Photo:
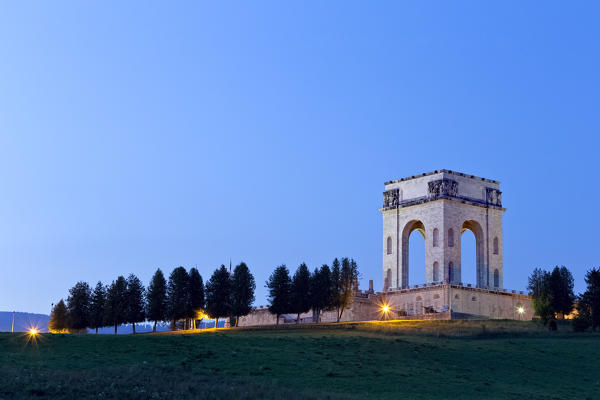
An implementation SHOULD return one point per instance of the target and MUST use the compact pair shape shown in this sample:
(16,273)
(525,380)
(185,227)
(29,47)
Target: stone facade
(441,206)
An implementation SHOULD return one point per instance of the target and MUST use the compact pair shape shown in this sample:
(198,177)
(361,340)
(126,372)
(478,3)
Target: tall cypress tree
(116,303)
(336,286)
(218,294)
(279,285)
(242,291)
(78,304)
(177,294)
(320,291)
(135,301)
(59,318)
(300,291)
(97,307)
(156,299)
(195,299)
(561,287)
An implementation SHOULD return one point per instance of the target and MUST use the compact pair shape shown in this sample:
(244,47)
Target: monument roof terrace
(447,171)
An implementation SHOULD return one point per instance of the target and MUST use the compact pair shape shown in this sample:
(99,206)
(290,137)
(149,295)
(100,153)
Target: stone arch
(410,227)
(388,280)
(436,237)
(477,230)
(436,271)
(450,237)
(419,305)
(389,245)
(496,245)
(451,272)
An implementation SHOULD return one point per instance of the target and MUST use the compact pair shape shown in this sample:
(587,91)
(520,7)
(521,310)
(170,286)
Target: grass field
(412,360)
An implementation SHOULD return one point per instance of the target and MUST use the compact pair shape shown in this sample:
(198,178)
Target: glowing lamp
(520,310)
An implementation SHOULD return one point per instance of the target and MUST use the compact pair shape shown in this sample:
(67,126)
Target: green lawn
(412,360)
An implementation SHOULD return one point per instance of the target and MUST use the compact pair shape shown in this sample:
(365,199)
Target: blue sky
(137,135)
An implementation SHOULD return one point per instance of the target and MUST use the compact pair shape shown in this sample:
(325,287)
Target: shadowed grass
(410,359)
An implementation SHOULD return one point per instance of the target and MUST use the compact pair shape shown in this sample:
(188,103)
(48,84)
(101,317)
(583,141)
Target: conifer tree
(279,285)
(116,303)
(59,318)
(541,296)
(135,301)
(177,294)
(156,295)
(78,304)
(591,296)
(195,296)
(336,286)
(300,297)
(320,291)
(242,291)
(97,307)
(218,294)
(561,288)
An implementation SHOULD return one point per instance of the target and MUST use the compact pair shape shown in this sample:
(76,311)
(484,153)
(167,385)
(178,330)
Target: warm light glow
(520,310)
(385,308)
(33,331)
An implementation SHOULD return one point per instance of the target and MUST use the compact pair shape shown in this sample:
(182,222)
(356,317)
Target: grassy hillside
(426,360)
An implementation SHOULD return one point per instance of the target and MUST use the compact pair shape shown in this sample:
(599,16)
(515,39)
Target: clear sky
(137,135)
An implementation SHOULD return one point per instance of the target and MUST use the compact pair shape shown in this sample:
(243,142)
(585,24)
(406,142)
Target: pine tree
(320,291)
(591,296)
(59,318)
(279,285)
(336,286)
(541,296)
(135,301)
(218,294)
(156,295)
(116,303)
(97,307)
(78,304)
(561,288)
(195,298)
(242,291)
(177,294)
(300,298)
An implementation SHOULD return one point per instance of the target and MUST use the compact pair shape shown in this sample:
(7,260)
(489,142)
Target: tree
(135,301)
(177,294)
(59,318)
(78,304)
(561,290)
(218,294)
(541,296)
(320,291)
(279,285)
(97,307)
(195,295)
(156,299)
(336,277)
(242,291)
(348,276)
(300,291)
(116,303)
(591,297)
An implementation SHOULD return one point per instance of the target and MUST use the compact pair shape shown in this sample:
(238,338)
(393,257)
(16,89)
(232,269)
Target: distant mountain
(23,321)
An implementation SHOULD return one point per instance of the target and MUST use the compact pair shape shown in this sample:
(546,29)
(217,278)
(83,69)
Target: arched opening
(466,262)
(419,305)
(436,237)
(436,272)
(451,272)
(496,278)
(496,245)
(416,249)
(389,245)
(450,237)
